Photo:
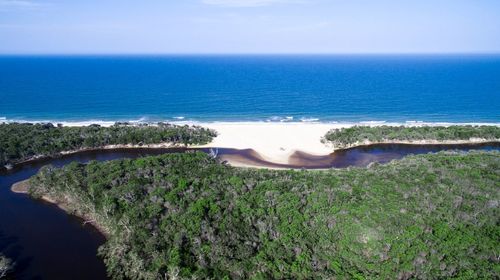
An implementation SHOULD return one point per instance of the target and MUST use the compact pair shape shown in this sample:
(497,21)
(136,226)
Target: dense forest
(345,137)
(21,141)
(186,215)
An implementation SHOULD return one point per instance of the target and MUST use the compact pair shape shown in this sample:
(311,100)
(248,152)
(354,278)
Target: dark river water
(47,243)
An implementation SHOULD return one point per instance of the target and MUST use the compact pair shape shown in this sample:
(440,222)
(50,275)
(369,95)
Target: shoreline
(276,143)
(471,141)
(256,160)
(312,161)
(279,121)
(249,158)
(22,187)
(107,147)
(279,142)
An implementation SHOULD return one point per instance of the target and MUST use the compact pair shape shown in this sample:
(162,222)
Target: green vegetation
(186,215)
(346,137)
(5,266)
(21,141)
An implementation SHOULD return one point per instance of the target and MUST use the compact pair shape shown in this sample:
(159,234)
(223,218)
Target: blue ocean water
(392,88)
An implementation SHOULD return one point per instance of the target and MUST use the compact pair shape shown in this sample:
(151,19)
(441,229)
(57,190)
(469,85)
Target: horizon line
(255,54)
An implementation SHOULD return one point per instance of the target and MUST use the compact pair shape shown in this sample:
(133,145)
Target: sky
(249,26)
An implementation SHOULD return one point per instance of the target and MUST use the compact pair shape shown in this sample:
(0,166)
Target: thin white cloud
(304,28)
(20,4)
(247,3)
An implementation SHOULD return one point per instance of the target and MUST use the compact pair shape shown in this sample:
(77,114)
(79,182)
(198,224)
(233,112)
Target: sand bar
(273,141)
(276,142)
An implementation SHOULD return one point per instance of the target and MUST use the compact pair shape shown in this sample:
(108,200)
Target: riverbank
(25,141)
(107,147)
(270,142)
(284,143)
(23,186)
(471,141)
(206,201)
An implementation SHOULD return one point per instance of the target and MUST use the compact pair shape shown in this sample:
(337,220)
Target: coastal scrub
(362,135)
(24,141)
(189,216)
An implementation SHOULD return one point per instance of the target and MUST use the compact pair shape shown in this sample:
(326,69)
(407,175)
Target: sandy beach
(274,142)
(280,142)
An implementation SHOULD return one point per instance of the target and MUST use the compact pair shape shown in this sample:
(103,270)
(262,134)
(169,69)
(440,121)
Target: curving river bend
(47,243)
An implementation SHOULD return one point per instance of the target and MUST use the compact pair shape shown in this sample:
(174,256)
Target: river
(47,243)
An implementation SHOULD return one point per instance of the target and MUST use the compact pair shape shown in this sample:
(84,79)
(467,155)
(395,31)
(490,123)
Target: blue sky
(249,26)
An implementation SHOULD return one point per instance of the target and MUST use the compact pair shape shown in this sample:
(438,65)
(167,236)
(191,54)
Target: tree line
(188,216)
(21,141)
(345,137)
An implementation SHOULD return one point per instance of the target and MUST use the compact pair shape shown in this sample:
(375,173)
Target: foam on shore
(185,120)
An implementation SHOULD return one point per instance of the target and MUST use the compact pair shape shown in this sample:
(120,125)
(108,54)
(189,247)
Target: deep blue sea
(392,88)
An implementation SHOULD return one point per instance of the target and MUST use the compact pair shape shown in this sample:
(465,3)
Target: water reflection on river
(46,243)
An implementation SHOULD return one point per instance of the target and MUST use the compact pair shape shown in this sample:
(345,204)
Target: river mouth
(47,243)
(360,156)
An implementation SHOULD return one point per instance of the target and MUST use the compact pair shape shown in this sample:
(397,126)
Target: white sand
(273,141)
(276,141)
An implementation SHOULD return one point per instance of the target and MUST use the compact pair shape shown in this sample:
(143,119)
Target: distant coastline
(181,120)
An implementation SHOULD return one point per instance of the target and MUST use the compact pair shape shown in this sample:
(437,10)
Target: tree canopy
(21,141)
(345,137)
(187,215)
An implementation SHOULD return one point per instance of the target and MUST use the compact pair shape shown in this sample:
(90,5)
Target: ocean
(264,88)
